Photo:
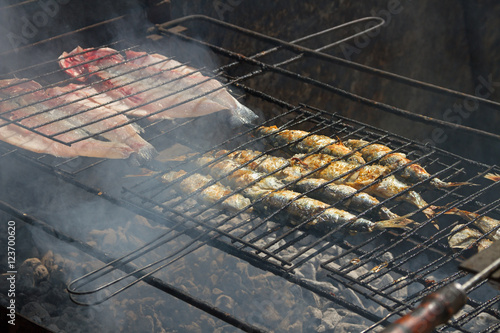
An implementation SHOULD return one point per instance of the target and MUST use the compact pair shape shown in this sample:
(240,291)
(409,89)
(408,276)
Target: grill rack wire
(142,198)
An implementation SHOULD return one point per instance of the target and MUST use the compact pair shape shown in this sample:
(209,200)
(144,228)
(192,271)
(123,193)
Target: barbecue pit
(339,280)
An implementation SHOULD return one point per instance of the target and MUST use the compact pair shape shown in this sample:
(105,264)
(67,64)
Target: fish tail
(492,176)
(401,222)
(455,211)
(147,153)
(241,115)
(143,156)
(438,183)
(430,212)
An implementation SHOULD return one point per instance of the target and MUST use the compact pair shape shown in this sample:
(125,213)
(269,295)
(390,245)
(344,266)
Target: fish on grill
(373,176)
(99,119)
(206,190)
(411,172)
(484,223)
(25,110)
(317,188)
(268,193)
(355,151)
(298,141)
(492,176)
(153,85)
(235,176)
(463,237)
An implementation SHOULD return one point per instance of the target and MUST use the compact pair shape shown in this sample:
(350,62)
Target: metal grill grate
(362,263)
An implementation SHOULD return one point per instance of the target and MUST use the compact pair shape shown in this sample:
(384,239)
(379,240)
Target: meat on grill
(484,223)
(373,176)
(26,105)
(463,237)
(102,119)
(298,141)
(153,85)
(411,172)
(304,142)
(317,188)
(206,190)
(268,193)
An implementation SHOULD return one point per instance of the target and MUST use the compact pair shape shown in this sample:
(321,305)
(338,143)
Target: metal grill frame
(137,202)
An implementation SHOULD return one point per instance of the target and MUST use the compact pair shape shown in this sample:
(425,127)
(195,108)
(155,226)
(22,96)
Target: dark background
(453,44)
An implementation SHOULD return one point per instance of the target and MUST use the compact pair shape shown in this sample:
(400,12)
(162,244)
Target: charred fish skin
(341,173)
(280,167)
(373,176)
(17,94)
(324,217)
(463,237)
(152,84)
(298,141)
(484,223)
(240,114)
(210,194)
(267,192)
(74,102)
(315,187)
(235,176)
(411,172)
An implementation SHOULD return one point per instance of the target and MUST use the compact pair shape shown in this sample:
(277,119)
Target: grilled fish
(210,194)
(81,110)
(153,85)
(412,172)
(281,168)
(355,151)
(268,193)
(22,103)
(325,218)
(341,172)
(492,176)
(303,142)
(484,223)
(463,239)
(235,176)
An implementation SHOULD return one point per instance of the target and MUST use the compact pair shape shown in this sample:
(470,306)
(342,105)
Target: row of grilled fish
(307,184)
(359,152)
(267,193)
(138,85)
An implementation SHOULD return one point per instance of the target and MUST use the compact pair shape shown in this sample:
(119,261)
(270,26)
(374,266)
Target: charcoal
(194,328)
(35,267)
(349,328)
(53,328)
(31,273)
(311,319)
(308,270)
(217,291)
(329,319)
(225,303)
(33,309)
(290,324)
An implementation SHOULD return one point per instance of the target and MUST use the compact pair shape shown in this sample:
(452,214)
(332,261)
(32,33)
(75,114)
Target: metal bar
(155,282)
(296,48)
(322,120)
(99,24)
(354,97)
